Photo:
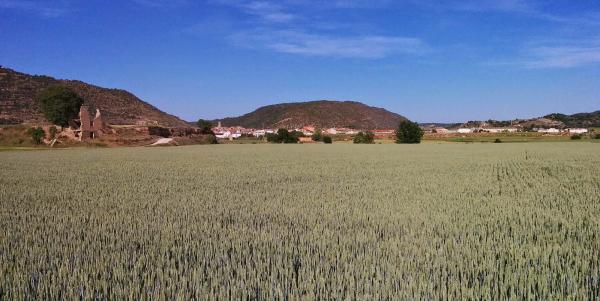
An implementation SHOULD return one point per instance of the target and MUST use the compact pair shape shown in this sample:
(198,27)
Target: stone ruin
(90,128)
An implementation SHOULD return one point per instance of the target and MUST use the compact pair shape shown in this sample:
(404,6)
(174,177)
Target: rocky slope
(18,93)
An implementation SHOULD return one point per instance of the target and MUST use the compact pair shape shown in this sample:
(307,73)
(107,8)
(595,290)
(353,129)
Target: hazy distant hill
(322,113)
(18,105)
(577,120)
(555,120)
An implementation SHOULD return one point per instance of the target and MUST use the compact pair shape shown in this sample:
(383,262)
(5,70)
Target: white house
(549,131)
(259,133)
(332,131)
(228,135)
(465,131)
(577,131)
(441,130)
(501,130)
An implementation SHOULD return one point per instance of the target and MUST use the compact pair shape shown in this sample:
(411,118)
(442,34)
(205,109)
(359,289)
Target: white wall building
(577,131)
(549,131)
(465,131)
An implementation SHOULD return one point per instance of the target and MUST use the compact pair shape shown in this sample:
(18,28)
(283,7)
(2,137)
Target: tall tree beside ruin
(59,104)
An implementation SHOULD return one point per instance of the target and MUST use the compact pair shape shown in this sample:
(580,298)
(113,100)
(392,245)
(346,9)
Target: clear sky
(443,61)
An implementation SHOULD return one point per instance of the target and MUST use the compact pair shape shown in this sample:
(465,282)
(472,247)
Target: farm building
(577,131)
(549,131)
(501,130)
(465,131)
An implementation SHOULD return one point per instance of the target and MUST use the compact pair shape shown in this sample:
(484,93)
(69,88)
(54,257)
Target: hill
(577,120)
(322,113)
(18,92)
(555,120)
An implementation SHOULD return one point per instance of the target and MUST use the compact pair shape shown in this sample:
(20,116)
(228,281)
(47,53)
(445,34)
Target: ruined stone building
(90,128)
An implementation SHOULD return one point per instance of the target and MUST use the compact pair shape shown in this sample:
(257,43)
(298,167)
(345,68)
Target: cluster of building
(441,130)
(238,131)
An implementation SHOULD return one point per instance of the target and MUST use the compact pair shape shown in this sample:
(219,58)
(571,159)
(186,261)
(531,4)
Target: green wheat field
(309,222)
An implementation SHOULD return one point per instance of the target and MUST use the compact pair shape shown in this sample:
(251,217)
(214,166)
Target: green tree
(205,126)
(272,138)
(364,138)
(37,135)
(318,135)
(284,136)
(409,132)
(59,104)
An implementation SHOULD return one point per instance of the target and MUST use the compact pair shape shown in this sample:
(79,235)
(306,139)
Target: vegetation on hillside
(580,120)
(322,114)
(18,103)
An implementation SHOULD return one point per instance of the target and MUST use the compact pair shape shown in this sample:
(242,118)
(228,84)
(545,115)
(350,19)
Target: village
(236,132)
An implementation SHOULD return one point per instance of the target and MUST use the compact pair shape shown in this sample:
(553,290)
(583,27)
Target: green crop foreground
(314,222)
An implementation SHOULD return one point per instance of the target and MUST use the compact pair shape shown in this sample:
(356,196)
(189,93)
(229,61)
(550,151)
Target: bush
(576,137)
(497,140)
(59,104)
(364,138)
(37,135)
(284,136)
(211,139)
(159,131)
(597,136)
(409,132)
(272,138)
(327,140)
(317,136)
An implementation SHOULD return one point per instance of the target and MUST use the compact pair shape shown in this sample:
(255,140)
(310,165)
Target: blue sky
(443,61)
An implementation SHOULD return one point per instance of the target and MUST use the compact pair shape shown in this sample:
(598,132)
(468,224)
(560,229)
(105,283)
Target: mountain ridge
(318,113)
(18,92)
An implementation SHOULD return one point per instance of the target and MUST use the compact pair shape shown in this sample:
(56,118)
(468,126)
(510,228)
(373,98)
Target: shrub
(59,104)
(409,132)
(284,136)
(159,131)
(272,138)
(364,138)
(597,136)
(497,140)
(576,137)
(327,140)
(317,136)
(37,135)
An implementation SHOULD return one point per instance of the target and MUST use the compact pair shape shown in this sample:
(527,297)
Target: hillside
(555,120)
(322,113)
(18,92)
(577,120)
